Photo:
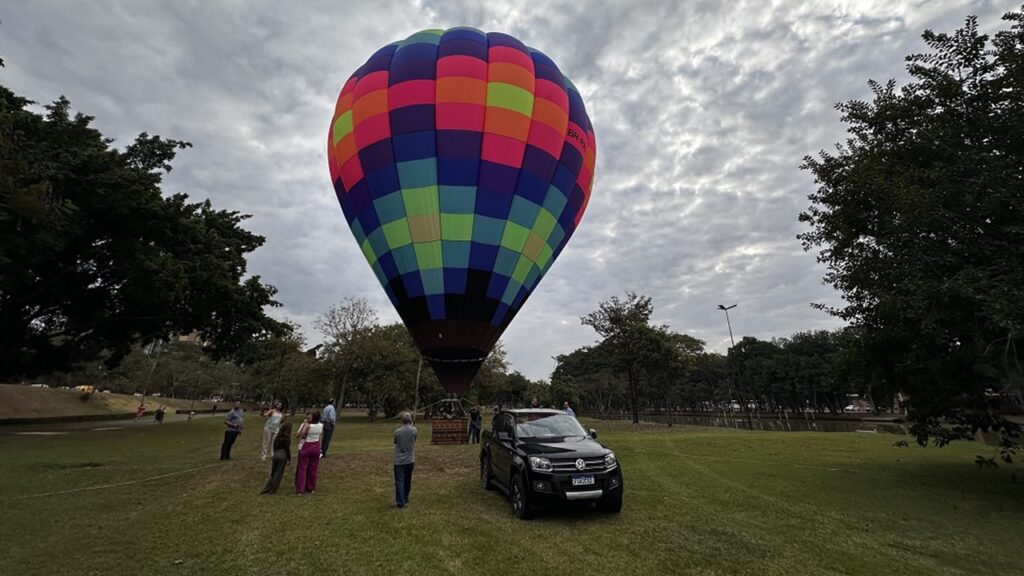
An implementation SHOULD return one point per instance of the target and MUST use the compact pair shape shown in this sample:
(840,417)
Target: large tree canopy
(621,324)
(93,257)
(919,218)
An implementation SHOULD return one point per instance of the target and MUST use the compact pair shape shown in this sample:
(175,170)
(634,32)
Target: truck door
(502,446)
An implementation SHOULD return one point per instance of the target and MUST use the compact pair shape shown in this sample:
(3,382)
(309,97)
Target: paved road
(58,428)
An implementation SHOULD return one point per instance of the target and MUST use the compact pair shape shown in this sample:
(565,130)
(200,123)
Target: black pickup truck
(541,457)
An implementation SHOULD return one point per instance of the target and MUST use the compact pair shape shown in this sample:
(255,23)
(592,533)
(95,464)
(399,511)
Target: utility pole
(746,407)
(726,310)
(416,402)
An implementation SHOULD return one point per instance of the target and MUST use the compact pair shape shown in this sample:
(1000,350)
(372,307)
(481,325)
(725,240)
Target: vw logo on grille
(580,464)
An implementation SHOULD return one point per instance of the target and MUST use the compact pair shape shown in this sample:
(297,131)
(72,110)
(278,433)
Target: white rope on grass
(116,484)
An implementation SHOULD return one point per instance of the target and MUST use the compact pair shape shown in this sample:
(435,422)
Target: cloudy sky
(702,112)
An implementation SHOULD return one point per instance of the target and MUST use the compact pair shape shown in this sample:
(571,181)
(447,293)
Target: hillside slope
(18,401)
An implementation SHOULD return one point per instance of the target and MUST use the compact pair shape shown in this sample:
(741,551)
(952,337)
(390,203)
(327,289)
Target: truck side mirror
(593,434)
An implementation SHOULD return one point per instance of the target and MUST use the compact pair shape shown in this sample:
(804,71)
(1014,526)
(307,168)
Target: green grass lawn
(698,501)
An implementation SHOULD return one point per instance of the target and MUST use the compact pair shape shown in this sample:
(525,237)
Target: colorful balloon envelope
(463,162)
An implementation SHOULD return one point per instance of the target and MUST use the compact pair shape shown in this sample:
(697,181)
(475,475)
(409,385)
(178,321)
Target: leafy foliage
(919,218)
(93,258)
(621,323)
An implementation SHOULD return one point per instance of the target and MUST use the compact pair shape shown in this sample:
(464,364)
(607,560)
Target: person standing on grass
(270,428)
(568,409)
(160,415)
(328,419)
(405,459)
(282,456)
(302,430)
(309,455)
(474,425)
(140,411)
(232,430)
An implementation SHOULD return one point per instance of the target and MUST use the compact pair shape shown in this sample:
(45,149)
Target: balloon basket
(446,431)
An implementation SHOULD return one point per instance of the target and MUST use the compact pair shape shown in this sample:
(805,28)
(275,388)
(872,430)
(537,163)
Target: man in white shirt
(568,409)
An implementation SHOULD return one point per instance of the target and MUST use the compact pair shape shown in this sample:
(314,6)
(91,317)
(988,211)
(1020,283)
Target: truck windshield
(548,426)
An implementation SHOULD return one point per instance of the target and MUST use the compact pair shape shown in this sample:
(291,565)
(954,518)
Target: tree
(588,372)
(384,369)
(341,325)
(620,324)
(492,379)
(919,218)
(93,258)
(666,359)
(708,386)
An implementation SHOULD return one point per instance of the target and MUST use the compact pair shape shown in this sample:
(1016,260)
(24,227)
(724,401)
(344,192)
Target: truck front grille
(568,465)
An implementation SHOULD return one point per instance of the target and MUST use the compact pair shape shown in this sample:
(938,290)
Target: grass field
(18,401)
(698,501)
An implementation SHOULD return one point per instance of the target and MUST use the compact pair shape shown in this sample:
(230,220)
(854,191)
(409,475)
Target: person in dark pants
(309,455)
(474,425)
(405,459)
(232,430)
(327,417)
(282,456)
(160,415)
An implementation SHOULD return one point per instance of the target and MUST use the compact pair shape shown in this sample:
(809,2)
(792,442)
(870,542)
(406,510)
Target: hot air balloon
(463,162)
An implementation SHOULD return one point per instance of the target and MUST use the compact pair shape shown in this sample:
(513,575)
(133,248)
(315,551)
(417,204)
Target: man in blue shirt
(568,409)
(232,429)
(328,418)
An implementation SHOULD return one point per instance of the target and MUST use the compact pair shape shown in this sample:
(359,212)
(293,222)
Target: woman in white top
(309,454)
(274,416)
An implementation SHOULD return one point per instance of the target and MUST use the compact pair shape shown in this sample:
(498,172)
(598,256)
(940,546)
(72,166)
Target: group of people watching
(314,438)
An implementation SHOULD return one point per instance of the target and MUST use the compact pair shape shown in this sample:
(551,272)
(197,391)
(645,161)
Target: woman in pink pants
(309,454)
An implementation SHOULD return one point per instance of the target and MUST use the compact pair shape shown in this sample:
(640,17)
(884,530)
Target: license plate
(582,480)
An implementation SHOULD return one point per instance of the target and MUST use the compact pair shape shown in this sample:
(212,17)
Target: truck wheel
(611,503)
(520,499)
(486,479)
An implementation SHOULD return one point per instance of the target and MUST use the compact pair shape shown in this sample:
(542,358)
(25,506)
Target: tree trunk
(339,391)
(634,397)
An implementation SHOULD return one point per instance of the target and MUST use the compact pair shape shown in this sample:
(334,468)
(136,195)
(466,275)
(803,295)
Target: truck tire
(520,499)
(611,503)
(486,479)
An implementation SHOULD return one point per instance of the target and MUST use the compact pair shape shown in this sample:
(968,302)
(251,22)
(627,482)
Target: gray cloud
(703,111)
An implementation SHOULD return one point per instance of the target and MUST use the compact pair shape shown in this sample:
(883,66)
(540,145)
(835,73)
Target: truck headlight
(610,461)
(540,464)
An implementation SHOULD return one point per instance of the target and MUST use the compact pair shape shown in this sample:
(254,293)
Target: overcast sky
(702,111)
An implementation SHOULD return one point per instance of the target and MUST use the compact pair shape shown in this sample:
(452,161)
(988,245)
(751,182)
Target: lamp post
(728,323)
(746,408)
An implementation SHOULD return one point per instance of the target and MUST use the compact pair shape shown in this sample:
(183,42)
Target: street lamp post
(746,408)
(728,323)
